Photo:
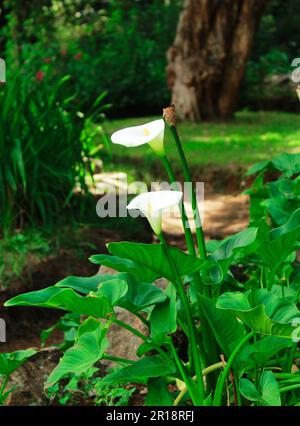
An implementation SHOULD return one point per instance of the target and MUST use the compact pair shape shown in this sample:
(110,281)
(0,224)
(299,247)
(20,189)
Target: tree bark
(207,61)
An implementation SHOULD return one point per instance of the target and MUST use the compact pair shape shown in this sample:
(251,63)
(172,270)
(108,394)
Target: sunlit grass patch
(249,137)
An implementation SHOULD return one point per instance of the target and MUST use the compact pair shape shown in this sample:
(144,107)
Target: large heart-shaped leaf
(283,200)
(249,390)
(64,298)
(269,395)
(9,362)
(262,311)
(236,246)
(125,264)
(140,371)
(114,290)
(139,294)
(270,389)
(280,242)
(262,350)
(289,164)
(84,284)
(153,257)
(88,349)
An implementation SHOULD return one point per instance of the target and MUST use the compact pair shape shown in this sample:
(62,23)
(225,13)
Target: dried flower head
(169,115)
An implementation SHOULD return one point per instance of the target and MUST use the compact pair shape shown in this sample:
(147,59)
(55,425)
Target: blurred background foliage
(120,46)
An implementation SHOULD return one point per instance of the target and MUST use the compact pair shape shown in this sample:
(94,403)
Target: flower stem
(190,323)
(288,388)
(141,336)
(184,377)
(185,221)
(141,318)
(129,328)
(188,178)
(206,371)
(118,359)
(220,385)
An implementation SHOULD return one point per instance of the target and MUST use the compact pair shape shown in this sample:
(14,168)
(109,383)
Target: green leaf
(152,257)
(17,156)
(262,350)
(139,295)
(158,394)
(88,349)
(9,362)
(270,394)
(258,194)
(258,167)
(280,242)
(262,311)
(163,318)
(287,163)
(289,293)
(64,298)
(84,284)
(270,389)
(208,402)
(145,347)
(124,264)
(249,391)
(233,247)
(283,199)
(227,330)
(113,290)
(140,371)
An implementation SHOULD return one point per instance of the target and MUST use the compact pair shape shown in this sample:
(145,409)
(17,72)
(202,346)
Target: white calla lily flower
(152,204)
(151,133)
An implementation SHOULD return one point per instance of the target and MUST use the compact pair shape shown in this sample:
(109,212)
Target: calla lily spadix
(152,204)
(151,133)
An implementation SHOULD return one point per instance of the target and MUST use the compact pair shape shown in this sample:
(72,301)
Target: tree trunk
(207,61)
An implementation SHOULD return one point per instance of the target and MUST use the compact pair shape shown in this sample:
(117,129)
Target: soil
(224,214)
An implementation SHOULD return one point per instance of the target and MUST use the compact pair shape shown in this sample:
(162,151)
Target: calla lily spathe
(152,204)
(151,133)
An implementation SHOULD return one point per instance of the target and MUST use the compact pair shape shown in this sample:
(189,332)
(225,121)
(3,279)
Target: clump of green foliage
(237,306)
(45,151)
(16,251)
(10,362)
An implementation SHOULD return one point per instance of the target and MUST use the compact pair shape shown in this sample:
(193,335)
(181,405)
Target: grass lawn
(248,138)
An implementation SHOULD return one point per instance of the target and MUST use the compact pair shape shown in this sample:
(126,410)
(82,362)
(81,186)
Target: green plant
(45,152)
(113,395)
(242,328)
(10,362)
(279,198)
(16,251)
(89,386)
